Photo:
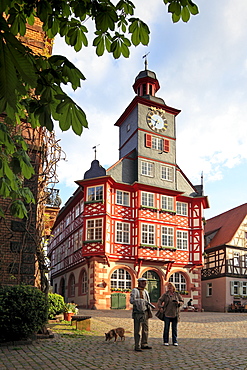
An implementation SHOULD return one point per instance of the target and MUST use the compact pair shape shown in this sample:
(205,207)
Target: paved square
(206,341)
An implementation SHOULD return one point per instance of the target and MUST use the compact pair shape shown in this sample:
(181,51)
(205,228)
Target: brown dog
(114,333)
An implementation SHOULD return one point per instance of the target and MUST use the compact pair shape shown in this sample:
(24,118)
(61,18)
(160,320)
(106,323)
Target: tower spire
(95,150)
(146,61)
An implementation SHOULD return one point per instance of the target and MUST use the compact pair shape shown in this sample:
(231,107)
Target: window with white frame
(77,210)
(122,232)
(84,282)
(94,229)
(167,203)
(182,240)
(148,236)
(167,238)
(157,143)
(95,193)
(147,169)
(182,209)
(122,198)
(167,173)
(67,220)
(76,240)
(209,291)
(236,259)
(120,279)
(234,287)
(147,199)
(244,288)
(179,281)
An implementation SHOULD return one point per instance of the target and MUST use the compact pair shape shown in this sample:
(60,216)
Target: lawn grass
(65,329)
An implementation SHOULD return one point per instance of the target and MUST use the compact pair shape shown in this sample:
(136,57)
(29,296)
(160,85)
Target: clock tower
(147,139)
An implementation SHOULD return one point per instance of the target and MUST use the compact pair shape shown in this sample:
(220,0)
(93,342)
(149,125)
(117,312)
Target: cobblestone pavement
(206,341)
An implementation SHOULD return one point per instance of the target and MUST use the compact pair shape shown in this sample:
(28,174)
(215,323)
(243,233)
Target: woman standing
(170,302)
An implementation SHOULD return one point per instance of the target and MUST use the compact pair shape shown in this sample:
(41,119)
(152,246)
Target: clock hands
(155,121)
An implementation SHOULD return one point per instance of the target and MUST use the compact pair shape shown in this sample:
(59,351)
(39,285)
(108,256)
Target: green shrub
(23,311)
(55,305)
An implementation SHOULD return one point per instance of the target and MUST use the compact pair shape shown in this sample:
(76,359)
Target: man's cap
(142,279)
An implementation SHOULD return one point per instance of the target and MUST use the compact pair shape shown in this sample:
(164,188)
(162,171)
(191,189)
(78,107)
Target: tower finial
(202,183)
(95,150)
(146,61)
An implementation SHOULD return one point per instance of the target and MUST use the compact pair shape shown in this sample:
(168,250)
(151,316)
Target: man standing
(139,297)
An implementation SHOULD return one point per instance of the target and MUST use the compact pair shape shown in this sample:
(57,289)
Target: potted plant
(70,309)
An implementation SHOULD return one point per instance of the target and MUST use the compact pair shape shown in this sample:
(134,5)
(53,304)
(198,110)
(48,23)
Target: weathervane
(95,150)
(146,60)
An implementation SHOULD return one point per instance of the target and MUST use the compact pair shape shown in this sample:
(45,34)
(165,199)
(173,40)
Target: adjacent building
(22,257)
(224,275)
(140,217)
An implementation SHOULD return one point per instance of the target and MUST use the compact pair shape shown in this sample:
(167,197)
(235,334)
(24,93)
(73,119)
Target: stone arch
(83,282)
(180,283)
(153,283)
(125,268)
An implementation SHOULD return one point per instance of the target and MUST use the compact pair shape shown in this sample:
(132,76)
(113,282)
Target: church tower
(147,139)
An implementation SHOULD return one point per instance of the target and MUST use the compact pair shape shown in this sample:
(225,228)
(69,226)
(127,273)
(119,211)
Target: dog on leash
(114,333)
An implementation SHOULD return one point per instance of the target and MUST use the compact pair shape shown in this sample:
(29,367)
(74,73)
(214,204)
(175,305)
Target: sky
(202,70)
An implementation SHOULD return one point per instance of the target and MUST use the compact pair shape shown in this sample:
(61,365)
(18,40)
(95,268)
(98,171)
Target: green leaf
(140,32)
(144,34)
(177,8)
(27,195)
(175,18)
(185,14)
(125,51)
(172,7)
(8,77)
(193,8)
(18,209)
(102,42)
(4,188)
(24,66)
(100,48)
(106,20)
(7,171)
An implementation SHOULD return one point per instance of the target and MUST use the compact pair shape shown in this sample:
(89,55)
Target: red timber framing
(135,215)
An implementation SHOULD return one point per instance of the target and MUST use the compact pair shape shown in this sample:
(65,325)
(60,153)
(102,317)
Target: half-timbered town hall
(140,217)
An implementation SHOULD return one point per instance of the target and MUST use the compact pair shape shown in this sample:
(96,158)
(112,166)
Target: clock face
(156,120)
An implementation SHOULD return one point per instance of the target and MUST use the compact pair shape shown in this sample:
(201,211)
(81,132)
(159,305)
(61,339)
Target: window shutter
(232,287)
(240,287)
(148,141)
(166,146)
